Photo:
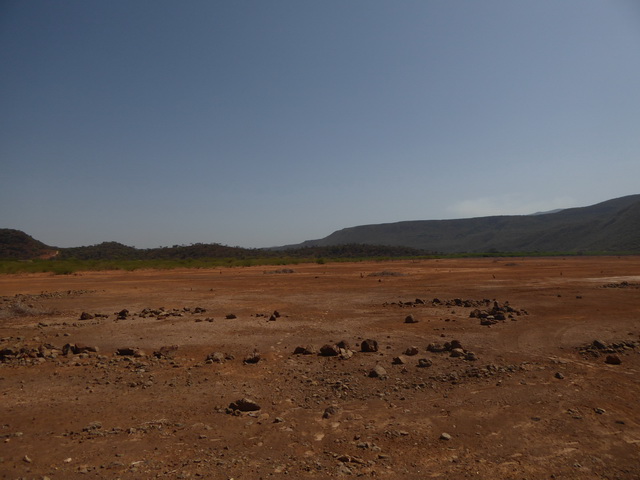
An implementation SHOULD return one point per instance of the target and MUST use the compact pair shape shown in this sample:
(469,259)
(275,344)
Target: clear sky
(261,123)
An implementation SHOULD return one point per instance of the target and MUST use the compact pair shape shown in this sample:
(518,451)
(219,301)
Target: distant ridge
(611,226)
(15,244)
(608,227)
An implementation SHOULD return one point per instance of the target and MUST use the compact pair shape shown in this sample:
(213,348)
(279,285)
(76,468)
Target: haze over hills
(610,226)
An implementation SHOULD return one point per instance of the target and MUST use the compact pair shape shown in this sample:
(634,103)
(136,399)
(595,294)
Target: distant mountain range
(611,226)
(17,245)
(608,227)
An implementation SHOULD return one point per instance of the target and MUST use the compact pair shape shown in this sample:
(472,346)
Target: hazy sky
(261,123)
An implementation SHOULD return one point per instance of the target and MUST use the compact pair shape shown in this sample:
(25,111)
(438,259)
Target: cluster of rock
(436,302)
(488,311)
(454,349)
(485,371)
(623,284)
(34,354)
(44,295)
(598,348)
(343,350)
(272,317)
(161,313)
(90,316)
(497,313)
(23,354)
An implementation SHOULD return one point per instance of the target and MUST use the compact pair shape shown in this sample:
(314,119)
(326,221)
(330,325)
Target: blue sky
(262,123)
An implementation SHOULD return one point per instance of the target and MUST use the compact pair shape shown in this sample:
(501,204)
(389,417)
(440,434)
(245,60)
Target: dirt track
(532,405)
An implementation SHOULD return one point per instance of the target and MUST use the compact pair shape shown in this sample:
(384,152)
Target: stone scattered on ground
(378,372)
(411,351)
(369,346)
(252,358)
(244,405)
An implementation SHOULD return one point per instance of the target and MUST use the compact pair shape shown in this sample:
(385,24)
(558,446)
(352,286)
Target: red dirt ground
(507,414)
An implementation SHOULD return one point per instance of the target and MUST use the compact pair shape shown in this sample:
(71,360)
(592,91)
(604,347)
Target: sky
(260,123)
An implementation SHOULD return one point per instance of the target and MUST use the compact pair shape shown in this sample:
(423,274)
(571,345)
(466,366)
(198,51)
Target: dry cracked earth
(452,369)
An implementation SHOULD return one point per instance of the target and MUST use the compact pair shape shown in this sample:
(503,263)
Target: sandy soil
(528,397)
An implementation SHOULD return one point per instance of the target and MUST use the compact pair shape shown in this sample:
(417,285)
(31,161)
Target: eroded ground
(524,393)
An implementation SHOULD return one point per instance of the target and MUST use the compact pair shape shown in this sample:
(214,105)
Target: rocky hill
(611,226)
(17,245)
(608,227)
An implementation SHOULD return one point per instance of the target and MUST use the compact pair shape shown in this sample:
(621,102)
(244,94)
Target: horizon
(309,239)
(258,124)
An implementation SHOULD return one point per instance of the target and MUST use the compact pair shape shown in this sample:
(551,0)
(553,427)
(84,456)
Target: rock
(600,411)
(399,360)
(308,350)
(369,346)
(329,350)
(130,352)
(344,345)
(424,362)
(457,352)
(167,351)
(215,357)
(9,352)
(276,314)
(85,316)
(345,354)
(122,314)
(273,318)
(445,436)
(92,426)
(252,358)
(230,316)
(244,405)
(330,411)
(77,348)
(455,344)
(600,345)
(27,459)
(436,348)
(82,348)
(411,351)
(378,372)
(126,351)
(470,356)
(410,319)
(559,375)
(613,360)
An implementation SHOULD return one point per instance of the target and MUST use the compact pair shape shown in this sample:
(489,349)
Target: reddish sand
(533,405)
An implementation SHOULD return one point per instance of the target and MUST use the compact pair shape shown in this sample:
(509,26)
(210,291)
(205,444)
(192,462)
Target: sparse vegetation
(71,266)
